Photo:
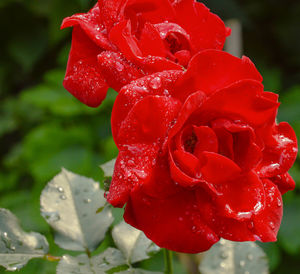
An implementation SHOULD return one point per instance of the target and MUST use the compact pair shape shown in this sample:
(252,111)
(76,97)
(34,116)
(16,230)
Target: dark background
(43,128)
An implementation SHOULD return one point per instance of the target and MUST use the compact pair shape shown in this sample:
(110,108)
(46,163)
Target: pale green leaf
(108,168)
(16,246)
(234,258)
(69,203)
(133,243)
(99,264)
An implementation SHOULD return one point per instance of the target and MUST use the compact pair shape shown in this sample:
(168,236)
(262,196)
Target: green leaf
(99,264)
(290,227)
(69,204)
(108,168)
(133,243)
(138,271)
(234,258)
(16,246)
(55,99)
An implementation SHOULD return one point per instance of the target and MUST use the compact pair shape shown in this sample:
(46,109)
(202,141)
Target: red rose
(201,155)
(121,40)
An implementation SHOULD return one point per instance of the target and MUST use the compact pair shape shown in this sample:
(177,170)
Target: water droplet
(242,263)
(7,241)
(250,257)
(222,242)
(51,216)
(102,264)
(63,197)
(119,66)
(272,225)
(87,200)
(250,225)
(279,203)
(130,162)
(60,189)
(194,228)
(224,255)
(180,219)
(223,264)
(155,83)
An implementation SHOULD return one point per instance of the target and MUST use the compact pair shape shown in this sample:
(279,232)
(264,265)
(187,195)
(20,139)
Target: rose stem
(168,261)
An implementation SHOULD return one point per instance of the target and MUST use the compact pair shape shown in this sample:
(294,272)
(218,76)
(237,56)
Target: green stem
(168,261)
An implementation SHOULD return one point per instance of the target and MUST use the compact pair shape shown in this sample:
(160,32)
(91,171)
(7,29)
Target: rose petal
(83,77)
(240,145)
(207,140)
(212,70)
(151,42)
(111,12)
(156,84)
(133,166)
(192,103)
(280,152)
(117,70)
(267,223)
(242,197)
(174,223)
(225,227)
(140,125)
(122,37)
(244,101)
(90,24)
(218,169)
(153,11)
(152,64)
(207,32)
(180,172)
(284,182)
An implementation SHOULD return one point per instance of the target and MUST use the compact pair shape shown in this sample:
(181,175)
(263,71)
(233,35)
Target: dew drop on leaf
(63,197)
(60,189)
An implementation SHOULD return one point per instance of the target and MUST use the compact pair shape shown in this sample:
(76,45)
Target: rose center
(190,143)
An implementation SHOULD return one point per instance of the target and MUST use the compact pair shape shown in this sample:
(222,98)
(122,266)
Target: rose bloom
(121,40)
(201,155)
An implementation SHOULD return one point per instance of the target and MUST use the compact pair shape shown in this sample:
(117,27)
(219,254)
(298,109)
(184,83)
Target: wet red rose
(121,40)
(201,155)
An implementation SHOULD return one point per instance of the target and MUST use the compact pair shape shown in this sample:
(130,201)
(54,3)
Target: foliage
(43,128)
(69,204)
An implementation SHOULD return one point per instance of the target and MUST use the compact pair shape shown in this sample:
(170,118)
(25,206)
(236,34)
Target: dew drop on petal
(155,83)
(250,225)
(279,203)
(119,66)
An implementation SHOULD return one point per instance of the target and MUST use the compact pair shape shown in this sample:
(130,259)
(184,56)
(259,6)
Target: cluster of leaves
(75,208)
(43,128)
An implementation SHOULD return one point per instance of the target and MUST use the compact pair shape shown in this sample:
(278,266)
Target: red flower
(201,155)
(121,40)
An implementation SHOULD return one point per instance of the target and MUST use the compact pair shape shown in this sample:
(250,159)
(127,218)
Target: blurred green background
(43,128)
